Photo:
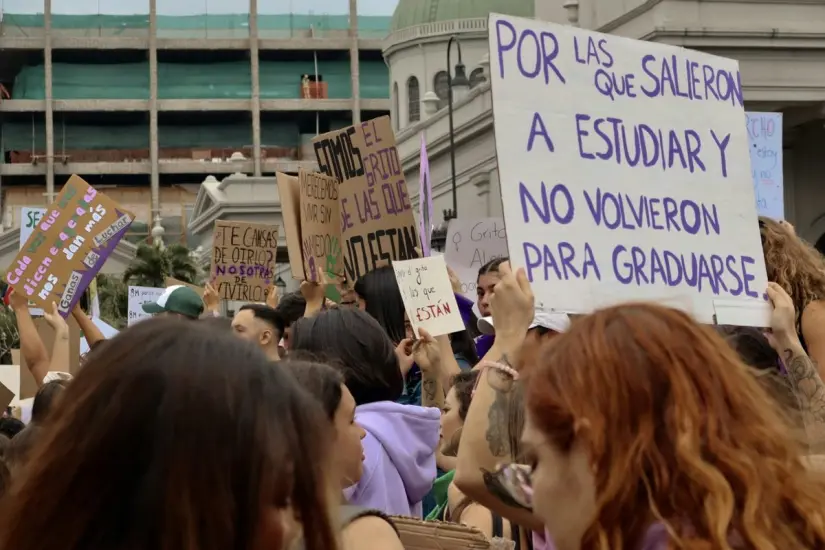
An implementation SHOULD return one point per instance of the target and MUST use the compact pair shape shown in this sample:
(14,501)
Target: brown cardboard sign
(171,281)
(6,396)
(67,248)
(289,191)
(377,220)
(28,385)
(320,228)
(417,534)
(243,260)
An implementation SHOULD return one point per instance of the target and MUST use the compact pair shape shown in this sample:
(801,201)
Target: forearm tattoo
(808,386)
(498,415)
(429,390)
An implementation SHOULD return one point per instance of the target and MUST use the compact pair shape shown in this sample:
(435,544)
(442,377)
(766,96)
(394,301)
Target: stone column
(355,63)
(153,110)
(256,87)
(48,81)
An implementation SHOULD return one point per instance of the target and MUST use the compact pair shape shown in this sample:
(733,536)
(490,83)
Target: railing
(437,28)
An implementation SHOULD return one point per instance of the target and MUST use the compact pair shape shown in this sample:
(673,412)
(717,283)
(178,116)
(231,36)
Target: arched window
(413,100)
(477,77)
(441,83)
(396,114)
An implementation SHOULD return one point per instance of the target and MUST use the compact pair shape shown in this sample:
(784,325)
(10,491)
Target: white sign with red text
(428,295)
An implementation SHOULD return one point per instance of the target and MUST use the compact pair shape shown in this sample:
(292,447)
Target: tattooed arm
(486,441)
(432,393)
(809,390)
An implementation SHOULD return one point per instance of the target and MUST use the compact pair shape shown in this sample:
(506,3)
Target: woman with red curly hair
(647,432)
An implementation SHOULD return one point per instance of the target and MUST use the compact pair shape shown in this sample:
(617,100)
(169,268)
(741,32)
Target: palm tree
(113,296)
(153,264)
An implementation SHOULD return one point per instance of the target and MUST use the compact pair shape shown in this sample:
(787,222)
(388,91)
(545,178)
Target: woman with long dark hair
(175,436)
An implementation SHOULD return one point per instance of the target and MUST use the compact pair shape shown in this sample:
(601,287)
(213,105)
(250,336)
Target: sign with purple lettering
(765,133)
(625,172)
(68,247)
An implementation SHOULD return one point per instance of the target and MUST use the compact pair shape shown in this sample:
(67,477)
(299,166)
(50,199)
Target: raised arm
(60,349)
(31,346)
(91,333)
(485,440)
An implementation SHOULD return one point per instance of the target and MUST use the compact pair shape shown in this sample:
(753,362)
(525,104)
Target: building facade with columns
(780,46)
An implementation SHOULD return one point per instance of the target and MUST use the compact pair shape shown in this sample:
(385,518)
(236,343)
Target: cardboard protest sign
(625,172)
(68,247)
(470,244)
(377,221)
(765,134)
(428,295)
(171,281)
(28,385)
(139,295)
(243,260)
(320,228)
(9,382)
(289,190)
(417,534)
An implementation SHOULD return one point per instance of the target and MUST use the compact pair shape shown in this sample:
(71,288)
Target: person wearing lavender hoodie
(400,441)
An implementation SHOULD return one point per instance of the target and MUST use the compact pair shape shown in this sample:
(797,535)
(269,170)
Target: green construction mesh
(226,80)
(192,26)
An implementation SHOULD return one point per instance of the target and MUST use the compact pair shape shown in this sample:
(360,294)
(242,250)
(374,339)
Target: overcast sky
(192,7)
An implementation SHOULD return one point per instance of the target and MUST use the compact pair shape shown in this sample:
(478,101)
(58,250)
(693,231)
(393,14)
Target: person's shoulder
(371,530)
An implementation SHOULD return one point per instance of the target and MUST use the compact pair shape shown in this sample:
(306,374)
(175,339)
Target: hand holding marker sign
(68,247)
(630,171)
(428,296)
(471,243)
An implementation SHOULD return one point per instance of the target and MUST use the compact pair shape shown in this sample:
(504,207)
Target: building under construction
(147,106)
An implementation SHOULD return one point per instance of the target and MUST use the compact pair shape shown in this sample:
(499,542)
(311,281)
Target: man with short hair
(261,325)
(179,301)
(291,307)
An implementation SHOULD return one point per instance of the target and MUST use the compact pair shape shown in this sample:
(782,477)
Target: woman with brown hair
(648,432)
(798,268)
(175,436)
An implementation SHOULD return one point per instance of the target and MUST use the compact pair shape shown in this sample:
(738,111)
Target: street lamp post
(459,80)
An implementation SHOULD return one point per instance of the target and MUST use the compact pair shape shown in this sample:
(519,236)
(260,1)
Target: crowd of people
(301,423)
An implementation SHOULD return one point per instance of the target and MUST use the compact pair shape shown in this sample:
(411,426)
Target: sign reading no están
(377,221)
(68,246)
(243,259)
(625,172)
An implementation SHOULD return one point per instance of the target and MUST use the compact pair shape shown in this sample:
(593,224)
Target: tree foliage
(153,264)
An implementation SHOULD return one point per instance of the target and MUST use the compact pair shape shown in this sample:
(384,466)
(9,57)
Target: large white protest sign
(471,243)
(139,295)
(428,295)
(625,172)
(765,134)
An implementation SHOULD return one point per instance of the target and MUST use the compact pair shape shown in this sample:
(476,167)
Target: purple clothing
(399,457)
(655,539)
(483,344)
(465,307)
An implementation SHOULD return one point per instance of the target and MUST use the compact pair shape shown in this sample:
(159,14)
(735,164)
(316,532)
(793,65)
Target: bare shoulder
(370,533)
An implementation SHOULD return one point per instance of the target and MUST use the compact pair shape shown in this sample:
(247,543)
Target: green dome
(409,13)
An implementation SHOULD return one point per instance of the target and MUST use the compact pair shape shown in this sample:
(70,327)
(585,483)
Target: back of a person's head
(670,418)
(18,452)
(755,351)
(174,435)
(321,380)
(10,426)
(45,399)
(359,345)
(218,323)
(792,263)
(379,290)
(492,266)
(291,307)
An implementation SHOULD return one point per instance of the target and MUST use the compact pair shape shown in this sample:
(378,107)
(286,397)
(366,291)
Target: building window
(476,77)
(396,114)
(441,83)
(414,100)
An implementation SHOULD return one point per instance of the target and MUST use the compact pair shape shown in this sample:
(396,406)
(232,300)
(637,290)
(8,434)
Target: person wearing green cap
(179,301)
